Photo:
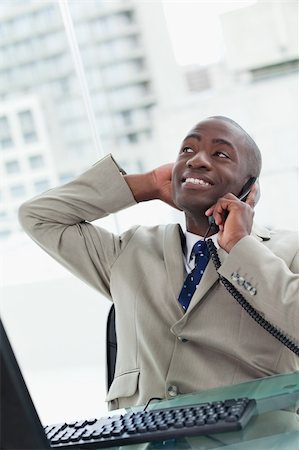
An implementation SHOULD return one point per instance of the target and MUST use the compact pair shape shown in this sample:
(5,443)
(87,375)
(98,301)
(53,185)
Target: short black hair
(254,153)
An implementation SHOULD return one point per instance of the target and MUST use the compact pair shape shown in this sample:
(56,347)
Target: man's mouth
(196,181)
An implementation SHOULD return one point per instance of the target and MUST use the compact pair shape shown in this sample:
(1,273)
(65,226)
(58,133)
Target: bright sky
(195,30)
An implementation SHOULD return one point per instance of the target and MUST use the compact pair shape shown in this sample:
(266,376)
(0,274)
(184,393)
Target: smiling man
(178,328)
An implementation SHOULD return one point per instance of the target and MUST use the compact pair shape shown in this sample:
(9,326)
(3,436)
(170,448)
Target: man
(169,344)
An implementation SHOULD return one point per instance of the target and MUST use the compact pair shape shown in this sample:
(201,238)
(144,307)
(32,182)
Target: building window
(133,138)
(66,177)
(36,161)
(5,135)
(12,167)
(41,185)
(27,126)
(3,215)
(4,234)
(18,191)
(126,117)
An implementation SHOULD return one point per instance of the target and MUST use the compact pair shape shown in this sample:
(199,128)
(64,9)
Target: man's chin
(194,210)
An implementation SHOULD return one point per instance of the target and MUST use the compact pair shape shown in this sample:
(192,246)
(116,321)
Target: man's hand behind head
(153,185)
(163,181)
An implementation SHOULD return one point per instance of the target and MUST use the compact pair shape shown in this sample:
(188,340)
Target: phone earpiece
(246,189)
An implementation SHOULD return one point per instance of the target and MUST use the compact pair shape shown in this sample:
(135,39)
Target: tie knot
(200,248)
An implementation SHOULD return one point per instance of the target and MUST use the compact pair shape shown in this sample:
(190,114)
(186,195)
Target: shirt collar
(191,239)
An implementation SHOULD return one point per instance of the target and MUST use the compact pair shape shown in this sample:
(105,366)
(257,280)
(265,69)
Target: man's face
(212,161)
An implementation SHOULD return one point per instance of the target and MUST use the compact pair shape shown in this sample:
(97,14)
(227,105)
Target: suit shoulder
(289,237)
(285,244)
(154,231)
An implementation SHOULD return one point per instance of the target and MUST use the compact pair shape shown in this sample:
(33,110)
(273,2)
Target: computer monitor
(20,425)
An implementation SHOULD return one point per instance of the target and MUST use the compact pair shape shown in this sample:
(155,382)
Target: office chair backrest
(111,347)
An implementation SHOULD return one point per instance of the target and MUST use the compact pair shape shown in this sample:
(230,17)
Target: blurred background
(80,79)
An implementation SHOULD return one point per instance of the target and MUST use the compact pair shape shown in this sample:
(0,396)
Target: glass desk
(275,425)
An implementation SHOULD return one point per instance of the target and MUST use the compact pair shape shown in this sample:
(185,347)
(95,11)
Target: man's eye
(222,155)
(187,150)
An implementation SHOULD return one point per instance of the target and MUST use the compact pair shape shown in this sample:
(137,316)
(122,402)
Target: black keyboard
(155,425)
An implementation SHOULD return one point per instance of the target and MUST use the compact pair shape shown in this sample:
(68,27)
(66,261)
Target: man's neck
(199,225)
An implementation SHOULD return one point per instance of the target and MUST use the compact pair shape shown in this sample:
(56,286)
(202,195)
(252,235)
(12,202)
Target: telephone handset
(274,331)
(242,196)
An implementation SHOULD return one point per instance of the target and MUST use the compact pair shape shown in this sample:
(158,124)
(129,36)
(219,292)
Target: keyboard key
(117,432)
(65,439)
(96,434)
(231,419)
(189,423)
(86,435)
(80,424)
(211,420)
(106,433)
(200,422)
(141,429)
(91,421)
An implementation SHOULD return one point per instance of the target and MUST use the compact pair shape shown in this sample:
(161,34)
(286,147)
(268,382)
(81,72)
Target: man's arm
(58,221)
(275,280)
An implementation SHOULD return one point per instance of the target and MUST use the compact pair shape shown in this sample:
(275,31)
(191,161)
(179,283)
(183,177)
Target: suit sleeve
(59,222)
(274,279)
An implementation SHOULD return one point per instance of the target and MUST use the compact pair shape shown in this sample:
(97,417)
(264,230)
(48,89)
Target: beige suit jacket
(161,350)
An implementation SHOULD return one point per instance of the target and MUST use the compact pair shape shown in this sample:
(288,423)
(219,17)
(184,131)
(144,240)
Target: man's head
(216,157)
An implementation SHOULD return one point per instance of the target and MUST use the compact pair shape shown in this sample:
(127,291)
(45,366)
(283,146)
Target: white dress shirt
(191,239)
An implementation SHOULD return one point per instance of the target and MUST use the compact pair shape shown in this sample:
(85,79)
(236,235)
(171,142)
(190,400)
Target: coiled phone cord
(285,340)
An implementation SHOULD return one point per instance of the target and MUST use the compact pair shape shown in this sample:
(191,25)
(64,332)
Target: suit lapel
(174,262)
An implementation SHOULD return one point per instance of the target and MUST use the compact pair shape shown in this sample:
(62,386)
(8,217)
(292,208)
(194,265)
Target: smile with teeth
(197,181)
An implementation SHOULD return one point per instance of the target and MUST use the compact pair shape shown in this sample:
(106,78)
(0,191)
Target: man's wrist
(142,186)
(230,244)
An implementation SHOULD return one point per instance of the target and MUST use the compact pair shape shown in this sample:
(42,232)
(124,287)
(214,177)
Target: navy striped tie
(201,253)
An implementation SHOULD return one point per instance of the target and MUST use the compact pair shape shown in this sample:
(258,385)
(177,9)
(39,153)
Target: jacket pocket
(123,385)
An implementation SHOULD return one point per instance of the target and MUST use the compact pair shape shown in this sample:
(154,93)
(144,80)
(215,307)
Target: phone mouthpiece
(211,220)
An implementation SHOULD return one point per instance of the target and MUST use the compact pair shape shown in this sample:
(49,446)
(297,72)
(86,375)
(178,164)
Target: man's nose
(199,160)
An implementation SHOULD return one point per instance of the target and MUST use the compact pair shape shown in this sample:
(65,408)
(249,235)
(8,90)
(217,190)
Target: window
(18,191)
(5,135)
(126,117)
(133,137)
(66,177)
(27,126)
(12,167)
(36,161)
(3,215)
(117,21)
(119,98)
(41,185)
(117,73)
(4,234)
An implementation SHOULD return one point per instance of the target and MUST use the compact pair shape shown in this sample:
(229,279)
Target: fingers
(229,203)
(217,209)
(251,199)
(223,206)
